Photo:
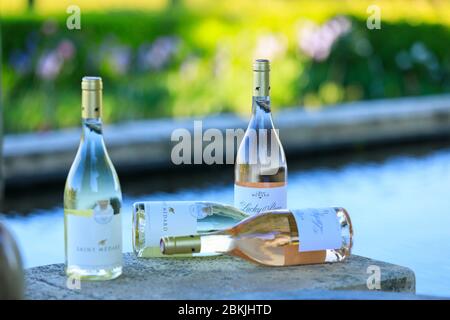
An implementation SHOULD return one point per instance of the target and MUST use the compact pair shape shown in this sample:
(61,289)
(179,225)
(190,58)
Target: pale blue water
(400,209)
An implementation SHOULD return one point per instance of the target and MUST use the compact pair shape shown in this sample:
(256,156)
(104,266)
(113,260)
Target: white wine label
(318,229)
(171,218)
(94,237)
(253,200)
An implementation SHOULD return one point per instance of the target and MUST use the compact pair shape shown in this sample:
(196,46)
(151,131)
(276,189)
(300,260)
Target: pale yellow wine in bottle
(155,219)
(92,199)
(276,238)
(260,168)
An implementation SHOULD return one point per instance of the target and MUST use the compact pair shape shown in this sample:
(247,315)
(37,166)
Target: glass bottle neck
(216,242)
(261,106)
(261,114)
(92,130)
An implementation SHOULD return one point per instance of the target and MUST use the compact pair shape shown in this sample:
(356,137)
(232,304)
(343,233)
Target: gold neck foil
(91,97)
(261,83)
(182,244)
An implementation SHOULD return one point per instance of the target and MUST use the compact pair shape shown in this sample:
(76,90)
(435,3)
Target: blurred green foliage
(181,61)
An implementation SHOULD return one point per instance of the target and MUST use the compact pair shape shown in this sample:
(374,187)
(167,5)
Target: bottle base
(93,274)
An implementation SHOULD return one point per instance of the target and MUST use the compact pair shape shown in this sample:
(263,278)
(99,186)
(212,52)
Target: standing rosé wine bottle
(260,182)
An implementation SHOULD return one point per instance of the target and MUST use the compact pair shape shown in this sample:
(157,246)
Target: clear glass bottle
(260,182)
(277,238)
(155,219)
(92,199)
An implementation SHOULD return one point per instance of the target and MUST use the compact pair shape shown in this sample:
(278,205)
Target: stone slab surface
(222,278)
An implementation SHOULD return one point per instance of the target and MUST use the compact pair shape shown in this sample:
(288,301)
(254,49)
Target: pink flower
(316,41)
(49,65)
(66,49)
(158,54)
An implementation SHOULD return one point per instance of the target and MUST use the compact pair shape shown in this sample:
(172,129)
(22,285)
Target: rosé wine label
(253,200)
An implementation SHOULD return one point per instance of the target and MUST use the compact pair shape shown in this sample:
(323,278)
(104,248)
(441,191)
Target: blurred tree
(174,3)
(31,4)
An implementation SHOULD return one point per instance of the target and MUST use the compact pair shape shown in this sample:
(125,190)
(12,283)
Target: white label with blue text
(318,229)
(257,200)
(170,218)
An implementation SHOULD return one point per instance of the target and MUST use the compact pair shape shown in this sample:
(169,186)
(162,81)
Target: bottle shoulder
(92,174)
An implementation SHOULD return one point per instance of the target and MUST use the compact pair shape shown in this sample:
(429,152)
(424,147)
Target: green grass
(210,71)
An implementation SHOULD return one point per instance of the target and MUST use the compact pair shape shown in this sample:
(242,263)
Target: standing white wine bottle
(92,198)
(260,182)
(276,238)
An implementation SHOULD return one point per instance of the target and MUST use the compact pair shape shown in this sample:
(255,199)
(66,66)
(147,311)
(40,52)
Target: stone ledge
(221,278)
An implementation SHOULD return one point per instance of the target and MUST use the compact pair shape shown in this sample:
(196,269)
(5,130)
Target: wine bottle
(276,238)
(155,219)
(92,198)
(260,168)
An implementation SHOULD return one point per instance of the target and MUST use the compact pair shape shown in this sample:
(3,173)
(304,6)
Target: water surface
(399,202)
